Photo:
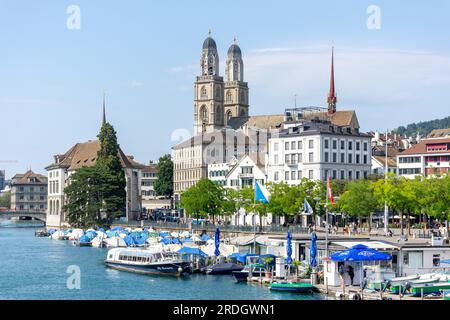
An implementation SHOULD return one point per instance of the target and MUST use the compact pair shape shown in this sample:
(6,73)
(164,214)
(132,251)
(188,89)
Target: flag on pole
(261,193)
(307,209)
(329,193)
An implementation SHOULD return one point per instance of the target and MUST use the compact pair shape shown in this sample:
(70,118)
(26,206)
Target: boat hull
(294,287)
(430,288)
(240,276)
(223,270)
(170,269)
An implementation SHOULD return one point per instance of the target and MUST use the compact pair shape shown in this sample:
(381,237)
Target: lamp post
(326,222)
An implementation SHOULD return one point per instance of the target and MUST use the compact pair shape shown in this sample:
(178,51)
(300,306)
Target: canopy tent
(85,239)
(192,251)
(242,257)
(360,252)
(116,229)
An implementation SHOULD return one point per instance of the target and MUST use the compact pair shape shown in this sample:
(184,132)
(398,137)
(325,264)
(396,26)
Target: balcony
(245,175)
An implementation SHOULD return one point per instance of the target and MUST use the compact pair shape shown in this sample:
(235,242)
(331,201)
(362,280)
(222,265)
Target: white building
(316,150)
(427,158)
(238,174)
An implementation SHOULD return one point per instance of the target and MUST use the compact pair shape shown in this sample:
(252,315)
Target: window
(275,159)
(300,174)
(357,174)
(300,144)
(311,157)
(293,145)
(276,176)
(334,176)
(311,144)
(286,175)
(326,143)
(334,144)
(293,158)
(365,146)
(203,92)
(342,174)
(326,157)
(357,158)
(286,158)
(334,157)
(365,174)
(350,145)
(286,146)
(293,175)
(358,145)
(311,174)
(365,159)
(342,145)
(275,146)
(350,158)
(350,175)
(326,174)
(342,158)
(300,158)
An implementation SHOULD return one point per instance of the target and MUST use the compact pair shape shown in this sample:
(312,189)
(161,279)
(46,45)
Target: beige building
(29,192)
(85,155)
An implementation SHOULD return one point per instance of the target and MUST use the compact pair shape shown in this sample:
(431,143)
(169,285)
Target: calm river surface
(35,268)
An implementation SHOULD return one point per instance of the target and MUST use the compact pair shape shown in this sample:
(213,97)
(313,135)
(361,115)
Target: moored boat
(413,283)
(223,268)
(242,275)
(147,261)
(297,287)
(429,288)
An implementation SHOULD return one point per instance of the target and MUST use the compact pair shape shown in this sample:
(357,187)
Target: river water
(36,268)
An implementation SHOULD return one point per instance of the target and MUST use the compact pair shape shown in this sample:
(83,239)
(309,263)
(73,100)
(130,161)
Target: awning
(370,244)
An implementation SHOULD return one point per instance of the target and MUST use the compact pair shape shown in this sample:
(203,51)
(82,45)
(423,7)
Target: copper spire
(332,94)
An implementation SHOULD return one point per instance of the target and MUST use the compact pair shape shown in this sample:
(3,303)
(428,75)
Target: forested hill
(423,128)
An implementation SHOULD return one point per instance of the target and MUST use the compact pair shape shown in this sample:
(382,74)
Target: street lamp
(326,222)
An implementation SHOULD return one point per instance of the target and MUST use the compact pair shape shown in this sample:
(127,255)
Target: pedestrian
(351,273)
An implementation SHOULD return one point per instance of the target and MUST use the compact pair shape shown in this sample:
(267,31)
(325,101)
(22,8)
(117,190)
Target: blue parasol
(217,242)
(360,252)
(289,248)
(313,250)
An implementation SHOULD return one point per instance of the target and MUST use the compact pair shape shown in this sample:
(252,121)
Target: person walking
(341,272)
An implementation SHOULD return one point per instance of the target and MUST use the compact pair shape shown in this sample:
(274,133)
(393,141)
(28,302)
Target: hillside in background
(423,128)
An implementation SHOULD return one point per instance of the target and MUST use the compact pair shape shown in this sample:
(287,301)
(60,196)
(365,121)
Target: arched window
(229,98)
(218,92)
(204,113)
(203,93)
(229,115)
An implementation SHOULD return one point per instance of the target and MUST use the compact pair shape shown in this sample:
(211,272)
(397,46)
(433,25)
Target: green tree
(164,182)
(96,195)
(205,198)
(358,200)
(440,205)
(5,200)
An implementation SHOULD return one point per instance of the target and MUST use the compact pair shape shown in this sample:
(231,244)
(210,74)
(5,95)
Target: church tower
(331,99)
(236,90)
(208,101)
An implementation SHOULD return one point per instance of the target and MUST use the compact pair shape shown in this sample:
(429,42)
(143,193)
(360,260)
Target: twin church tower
(217,101)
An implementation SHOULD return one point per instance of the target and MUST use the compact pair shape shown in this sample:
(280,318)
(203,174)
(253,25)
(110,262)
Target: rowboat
(428,288)
(400,280)
(297,287)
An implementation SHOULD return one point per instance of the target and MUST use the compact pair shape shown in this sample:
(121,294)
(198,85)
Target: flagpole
(386,169)
(254,221)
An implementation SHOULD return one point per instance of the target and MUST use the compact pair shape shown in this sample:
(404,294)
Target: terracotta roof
(151,168)
(421,147)
(85,155)
(25,178)
(439,133)
(345,118)
(392,161)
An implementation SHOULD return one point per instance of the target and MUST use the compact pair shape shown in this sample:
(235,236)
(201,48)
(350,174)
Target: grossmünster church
(217,100)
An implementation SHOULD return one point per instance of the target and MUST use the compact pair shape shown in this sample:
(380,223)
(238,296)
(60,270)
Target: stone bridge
(7,215)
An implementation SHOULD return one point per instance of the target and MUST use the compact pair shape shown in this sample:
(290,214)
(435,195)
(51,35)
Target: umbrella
(313,250)
(217,242)
(289,248)
(360,252)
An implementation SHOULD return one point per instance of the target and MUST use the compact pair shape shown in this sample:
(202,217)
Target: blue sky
(145,54)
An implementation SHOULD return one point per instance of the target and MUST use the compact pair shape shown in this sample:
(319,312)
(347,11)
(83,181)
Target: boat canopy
(193,251)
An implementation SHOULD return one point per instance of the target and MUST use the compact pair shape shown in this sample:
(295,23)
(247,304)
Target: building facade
(317,150)
(85,155)
(238,174)
(429,157)
(2,179)
(29,192)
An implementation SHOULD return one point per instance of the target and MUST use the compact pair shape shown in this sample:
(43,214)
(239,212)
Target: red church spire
(332,94)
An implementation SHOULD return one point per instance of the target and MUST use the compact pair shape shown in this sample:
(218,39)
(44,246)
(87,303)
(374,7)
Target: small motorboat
(257,269)
(413,283)
(297,287)
(400,280)
(223,268)
(430,288)
(41,233)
